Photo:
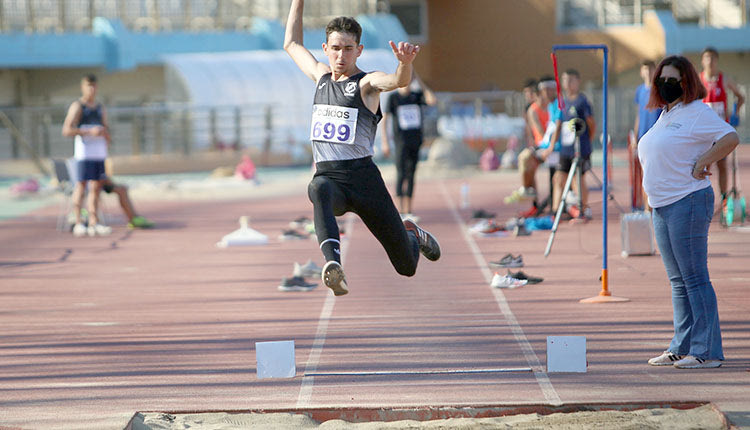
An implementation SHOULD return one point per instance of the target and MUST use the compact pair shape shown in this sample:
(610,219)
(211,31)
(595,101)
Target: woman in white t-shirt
(675,154)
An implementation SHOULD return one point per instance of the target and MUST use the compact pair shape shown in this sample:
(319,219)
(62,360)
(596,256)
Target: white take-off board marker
(275,359)
(566,354)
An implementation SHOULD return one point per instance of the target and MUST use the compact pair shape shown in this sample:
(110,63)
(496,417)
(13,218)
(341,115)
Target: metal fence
(185,129)
(602,13)
(163,129)
(42,16)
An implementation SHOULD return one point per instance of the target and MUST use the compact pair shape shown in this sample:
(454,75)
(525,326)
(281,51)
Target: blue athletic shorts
(90,170)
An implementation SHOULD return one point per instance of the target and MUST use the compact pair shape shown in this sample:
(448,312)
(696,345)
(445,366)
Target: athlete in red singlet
(716,84)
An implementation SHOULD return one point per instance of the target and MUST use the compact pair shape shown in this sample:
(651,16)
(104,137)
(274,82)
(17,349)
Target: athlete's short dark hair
(532,84)
(344,24)
(573,72)
(90,78)
(711,50)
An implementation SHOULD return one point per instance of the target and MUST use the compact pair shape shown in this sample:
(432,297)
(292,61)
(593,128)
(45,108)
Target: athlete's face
(529,95)
(647,73)
(342,51)
(709,60)
(88,89)
(548,94)
(571,83)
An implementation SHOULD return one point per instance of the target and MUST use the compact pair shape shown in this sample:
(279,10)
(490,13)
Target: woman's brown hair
(692,87)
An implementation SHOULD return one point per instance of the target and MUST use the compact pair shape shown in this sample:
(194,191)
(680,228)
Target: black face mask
(669,91)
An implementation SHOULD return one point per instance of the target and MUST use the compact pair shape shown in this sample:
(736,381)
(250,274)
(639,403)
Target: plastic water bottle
(465,195)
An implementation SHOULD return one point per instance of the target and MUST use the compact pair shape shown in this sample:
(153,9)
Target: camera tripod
(576,171)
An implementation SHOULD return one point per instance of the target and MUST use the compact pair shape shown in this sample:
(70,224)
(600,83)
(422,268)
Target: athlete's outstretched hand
(405,52)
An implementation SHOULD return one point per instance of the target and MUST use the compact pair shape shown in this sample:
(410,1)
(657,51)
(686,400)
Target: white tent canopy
(254,81)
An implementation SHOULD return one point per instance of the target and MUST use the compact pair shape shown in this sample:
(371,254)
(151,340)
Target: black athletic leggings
(356,186)
(407,156)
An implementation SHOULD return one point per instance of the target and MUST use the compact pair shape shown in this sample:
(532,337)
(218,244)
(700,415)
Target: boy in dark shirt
(576,106)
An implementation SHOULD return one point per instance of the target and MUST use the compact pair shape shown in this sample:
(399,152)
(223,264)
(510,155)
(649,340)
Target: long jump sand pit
(663,415)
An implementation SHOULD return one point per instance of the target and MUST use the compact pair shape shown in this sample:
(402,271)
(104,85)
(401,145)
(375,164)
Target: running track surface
(96,329)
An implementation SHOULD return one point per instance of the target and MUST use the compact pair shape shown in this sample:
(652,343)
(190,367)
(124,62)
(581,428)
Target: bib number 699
(329,131)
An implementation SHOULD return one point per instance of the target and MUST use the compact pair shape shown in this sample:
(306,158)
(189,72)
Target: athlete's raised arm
(294,47)
(380,81)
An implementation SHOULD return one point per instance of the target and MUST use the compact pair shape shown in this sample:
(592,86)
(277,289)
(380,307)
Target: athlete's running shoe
(334,278)
(292,235)
(481,213)
(140,222)
(505,281)
(520,230)
(522,193)
(296,283)
(521,275)
(508,261)
(428,245)
(79,230)
(300,222)
(309,269)
(99,230)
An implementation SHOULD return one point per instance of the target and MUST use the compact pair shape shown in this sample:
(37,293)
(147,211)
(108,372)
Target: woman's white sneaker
(666,359)
(691,362)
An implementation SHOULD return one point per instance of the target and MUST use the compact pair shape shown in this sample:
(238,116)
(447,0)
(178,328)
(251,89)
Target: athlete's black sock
(331,250)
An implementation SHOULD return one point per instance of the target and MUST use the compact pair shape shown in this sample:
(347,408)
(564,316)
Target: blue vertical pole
(605,187)
(605,155)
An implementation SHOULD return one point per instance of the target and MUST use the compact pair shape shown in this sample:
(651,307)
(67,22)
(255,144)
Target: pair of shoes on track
(513,280)
(297,281)
(668,358)
(80,230)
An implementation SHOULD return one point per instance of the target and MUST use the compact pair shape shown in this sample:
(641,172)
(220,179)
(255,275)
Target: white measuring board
(566,354)
(275,359)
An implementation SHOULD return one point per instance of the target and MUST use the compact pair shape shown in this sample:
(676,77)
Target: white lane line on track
(423,372)
(305,390)
(528,352)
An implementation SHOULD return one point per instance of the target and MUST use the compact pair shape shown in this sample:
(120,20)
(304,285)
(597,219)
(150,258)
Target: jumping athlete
(346,112)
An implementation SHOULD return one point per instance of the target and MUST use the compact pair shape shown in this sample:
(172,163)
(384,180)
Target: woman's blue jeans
(682,235)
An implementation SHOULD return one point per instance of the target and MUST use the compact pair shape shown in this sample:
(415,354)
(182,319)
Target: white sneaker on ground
(505,281)
(99,230)
(79,230)
(666,359)
(690,362)
(333,277)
